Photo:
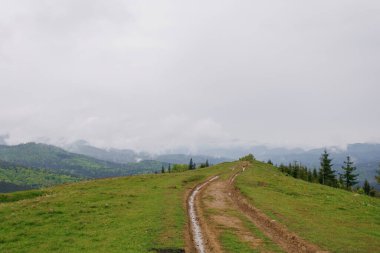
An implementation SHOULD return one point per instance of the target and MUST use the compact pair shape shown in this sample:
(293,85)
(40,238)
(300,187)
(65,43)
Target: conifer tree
(341,182)
(207,164)
(304,174)
(309,176)
(315,175)
(348,177)
(162,169)
(191,164)
(295,170)
(367,187)
(327,174)
(169,169)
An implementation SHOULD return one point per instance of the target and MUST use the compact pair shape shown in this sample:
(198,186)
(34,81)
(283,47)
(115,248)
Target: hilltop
(147,213)
(365,155)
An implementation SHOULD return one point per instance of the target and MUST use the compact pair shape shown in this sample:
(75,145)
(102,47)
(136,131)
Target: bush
(248,158)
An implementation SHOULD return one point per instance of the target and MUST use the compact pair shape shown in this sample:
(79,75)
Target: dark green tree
(169,168)
(270,162)
(348,176)
(377,177)
(372,192)
(341,182)
(191,164)
(315,175)
(367,187)
(295,171)
(162,169)
(205,165)
(309,176)
(248,158)
(327,174)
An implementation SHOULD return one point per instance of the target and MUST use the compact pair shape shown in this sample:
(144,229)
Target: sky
(190,75)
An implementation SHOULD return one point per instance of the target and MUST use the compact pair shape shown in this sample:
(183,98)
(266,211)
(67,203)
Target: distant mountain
(366,157)
(111,155)
(184,159)
(128,156)
(44,156)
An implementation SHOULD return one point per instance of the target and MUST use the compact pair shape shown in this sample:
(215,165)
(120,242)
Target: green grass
(145,212)
(267,244)
(231,243)
(130,214)
(335,219)
(16,196)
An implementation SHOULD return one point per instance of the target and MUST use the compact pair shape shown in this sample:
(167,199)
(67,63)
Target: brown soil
(218,206)
(288,241)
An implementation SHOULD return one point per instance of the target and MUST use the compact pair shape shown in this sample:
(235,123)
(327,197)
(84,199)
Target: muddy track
(193,212)
(288,241)
(222,197)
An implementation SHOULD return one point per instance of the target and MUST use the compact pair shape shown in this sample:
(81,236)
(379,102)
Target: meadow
(334,219)
(142,213)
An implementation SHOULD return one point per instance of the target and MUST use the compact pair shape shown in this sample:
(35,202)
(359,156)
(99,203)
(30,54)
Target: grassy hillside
(50,157)
(335,219)
(147,212)
(130,214)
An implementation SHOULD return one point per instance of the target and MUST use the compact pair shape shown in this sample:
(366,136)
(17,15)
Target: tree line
(183,167)
(326,175)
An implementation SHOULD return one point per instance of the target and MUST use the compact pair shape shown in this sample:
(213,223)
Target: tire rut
(225,200)
(278,233)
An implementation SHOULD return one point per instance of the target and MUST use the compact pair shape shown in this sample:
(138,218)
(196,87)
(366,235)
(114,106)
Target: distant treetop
(248,158)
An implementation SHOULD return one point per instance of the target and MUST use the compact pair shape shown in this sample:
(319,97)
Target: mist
(164,76)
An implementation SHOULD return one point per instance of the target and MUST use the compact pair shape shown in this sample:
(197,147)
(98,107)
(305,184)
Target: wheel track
(196,231)
(288,241)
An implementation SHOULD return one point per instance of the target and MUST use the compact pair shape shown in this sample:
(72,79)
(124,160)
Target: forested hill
(10,187)
(15,177)
(42,156)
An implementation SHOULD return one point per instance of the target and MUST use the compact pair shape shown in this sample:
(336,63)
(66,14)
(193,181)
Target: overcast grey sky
(161,75)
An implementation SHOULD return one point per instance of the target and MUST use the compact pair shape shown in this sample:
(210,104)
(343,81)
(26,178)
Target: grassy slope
(131,214)
(138,213)
(337,220)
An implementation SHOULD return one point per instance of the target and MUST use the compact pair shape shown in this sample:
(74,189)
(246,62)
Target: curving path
(196,231)
(228,209)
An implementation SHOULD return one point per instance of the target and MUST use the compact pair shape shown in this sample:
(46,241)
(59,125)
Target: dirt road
(217,210)
(195,226)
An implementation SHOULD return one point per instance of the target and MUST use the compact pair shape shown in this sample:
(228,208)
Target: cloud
(163,75)
(3,138)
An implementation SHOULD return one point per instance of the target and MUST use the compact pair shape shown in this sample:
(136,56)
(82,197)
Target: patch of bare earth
(217,206)
(288,241)
(218,213)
